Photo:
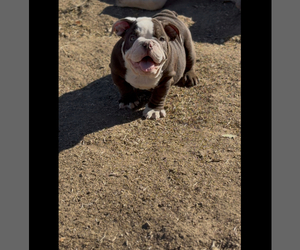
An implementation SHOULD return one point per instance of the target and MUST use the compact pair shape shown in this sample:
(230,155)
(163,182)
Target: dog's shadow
(90,109)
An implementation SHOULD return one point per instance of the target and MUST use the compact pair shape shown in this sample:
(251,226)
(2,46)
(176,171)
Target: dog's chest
(140,81)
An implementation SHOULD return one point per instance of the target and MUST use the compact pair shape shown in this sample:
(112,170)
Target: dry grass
(126,182)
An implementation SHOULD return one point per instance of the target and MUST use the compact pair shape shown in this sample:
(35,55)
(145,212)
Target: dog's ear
(171,30)
(122,25)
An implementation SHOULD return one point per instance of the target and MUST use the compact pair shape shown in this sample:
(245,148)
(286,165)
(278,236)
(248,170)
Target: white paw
(130,105)
(154,114)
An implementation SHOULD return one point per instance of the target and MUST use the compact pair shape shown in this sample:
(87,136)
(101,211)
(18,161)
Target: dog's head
(145,46)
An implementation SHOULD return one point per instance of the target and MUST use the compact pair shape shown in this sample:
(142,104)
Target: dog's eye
(162,39)
(132,38)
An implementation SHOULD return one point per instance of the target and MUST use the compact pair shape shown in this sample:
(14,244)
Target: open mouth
(146,64)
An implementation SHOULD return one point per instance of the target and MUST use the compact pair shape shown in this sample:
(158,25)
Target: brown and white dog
(153,54)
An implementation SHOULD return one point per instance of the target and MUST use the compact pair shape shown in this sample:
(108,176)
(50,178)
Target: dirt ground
(130,183)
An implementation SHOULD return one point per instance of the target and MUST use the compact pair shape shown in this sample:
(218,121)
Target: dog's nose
(148,45)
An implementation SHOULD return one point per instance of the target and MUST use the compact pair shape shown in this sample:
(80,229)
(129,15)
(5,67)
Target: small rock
(229,136)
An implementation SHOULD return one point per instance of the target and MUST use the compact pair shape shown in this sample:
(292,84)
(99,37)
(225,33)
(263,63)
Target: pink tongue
(146,64)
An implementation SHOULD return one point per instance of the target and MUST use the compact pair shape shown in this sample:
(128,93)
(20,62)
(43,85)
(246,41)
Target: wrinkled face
(145,44)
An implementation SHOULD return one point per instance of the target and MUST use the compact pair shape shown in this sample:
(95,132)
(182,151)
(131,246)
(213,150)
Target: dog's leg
(155,107)
(190,78)
(128,96)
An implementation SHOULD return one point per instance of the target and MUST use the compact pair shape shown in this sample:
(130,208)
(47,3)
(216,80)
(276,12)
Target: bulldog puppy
(142,4)
(152,54)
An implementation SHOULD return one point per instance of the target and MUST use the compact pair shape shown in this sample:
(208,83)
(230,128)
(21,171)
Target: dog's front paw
(128,101)
(190,79)
(149,113)
(130,105)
